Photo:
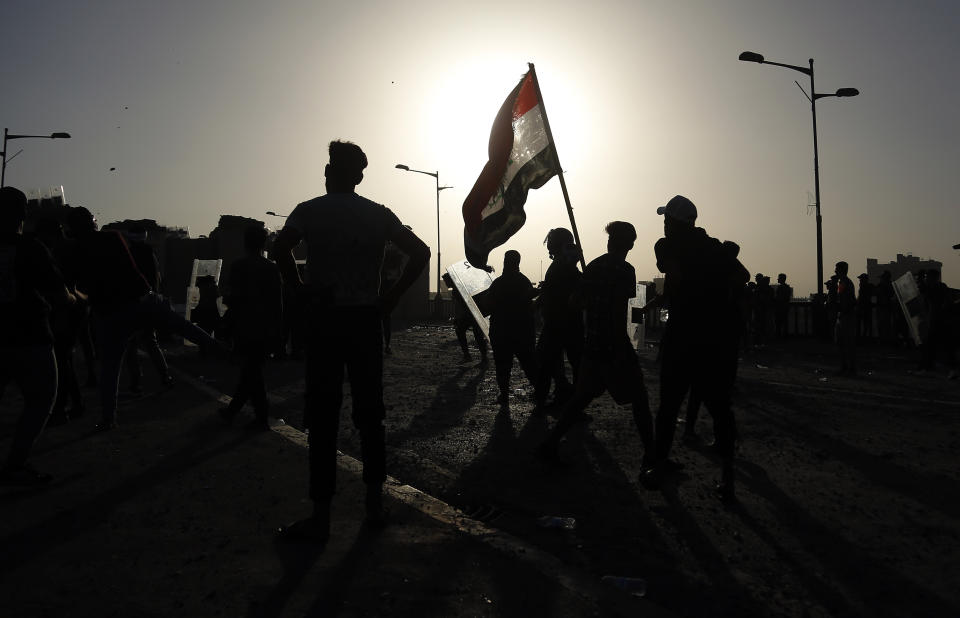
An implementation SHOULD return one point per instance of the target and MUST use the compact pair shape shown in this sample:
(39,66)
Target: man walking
(346,235)
(255,298)
(562,331)
(512,331)
(702,279)
(609,361)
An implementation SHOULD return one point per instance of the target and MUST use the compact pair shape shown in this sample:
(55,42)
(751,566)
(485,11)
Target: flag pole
(556,156)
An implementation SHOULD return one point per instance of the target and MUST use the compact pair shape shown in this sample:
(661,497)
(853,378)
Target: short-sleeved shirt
(28,278)
(345,235)
(607,284)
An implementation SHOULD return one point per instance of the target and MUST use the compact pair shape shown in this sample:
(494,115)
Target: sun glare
(464,105)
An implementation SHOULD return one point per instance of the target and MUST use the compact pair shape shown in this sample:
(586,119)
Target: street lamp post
(8,136)
(436,177)
(748,56)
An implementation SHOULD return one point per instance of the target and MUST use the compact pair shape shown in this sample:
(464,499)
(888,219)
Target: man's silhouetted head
(254,239)
(781,278)
(841,269)
(621,236)
(511,261)
(345,169)
(13,210)
(679,215)
(81,222)
(557,239)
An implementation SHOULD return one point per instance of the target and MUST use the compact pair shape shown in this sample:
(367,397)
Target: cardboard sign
(471,283)
(912,305)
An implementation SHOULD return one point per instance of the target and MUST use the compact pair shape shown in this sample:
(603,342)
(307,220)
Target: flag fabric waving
(520,157)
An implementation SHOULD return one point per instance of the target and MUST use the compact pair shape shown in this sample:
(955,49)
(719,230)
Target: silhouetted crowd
(72,287)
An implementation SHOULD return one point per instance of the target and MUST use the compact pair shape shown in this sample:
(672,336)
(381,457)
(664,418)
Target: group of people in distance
(94,275)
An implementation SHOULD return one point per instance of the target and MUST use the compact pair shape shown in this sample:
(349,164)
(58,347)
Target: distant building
(903,265)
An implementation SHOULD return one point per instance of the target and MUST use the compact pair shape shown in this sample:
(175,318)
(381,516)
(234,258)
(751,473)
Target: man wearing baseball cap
(702,279)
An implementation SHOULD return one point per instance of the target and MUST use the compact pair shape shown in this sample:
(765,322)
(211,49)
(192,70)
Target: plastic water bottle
(557,523)
(635,586)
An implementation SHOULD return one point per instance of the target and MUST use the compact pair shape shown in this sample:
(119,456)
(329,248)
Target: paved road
(848,501)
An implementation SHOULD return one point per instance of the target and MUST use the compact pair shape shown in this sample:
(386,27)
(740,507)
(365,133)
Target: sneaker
(23,476)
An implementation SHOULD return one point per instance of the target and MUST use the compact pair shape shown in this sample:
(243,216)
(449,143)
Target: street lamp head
(401,166)
(847,92)
(60,135)
(749,56)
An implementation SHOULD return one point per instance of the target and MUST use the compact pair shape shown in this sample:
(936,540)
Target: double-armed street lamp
(8,136)
(436,177)
(748,56)
(273,214)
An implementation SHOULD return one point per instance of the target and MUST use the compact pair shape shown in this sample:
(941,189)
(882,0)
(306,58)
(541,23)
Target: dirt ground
(848,501)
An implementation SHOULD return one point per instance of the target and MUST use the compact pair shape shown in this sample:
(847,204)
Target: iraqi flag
(521,157)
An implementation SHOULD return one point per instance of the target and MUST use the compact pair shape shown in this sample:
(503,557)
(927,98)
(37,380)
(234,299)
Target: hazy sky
(226,107)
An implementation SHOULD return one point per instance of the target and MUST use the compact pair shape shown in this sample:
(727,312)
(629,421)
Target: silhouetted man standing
(782,298)
(345,235)
(702,279)
(846,321)
(609,361)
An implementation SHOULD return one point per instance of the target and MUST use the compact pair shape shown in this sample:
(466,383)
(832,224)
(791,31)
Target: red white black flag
(521,157)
